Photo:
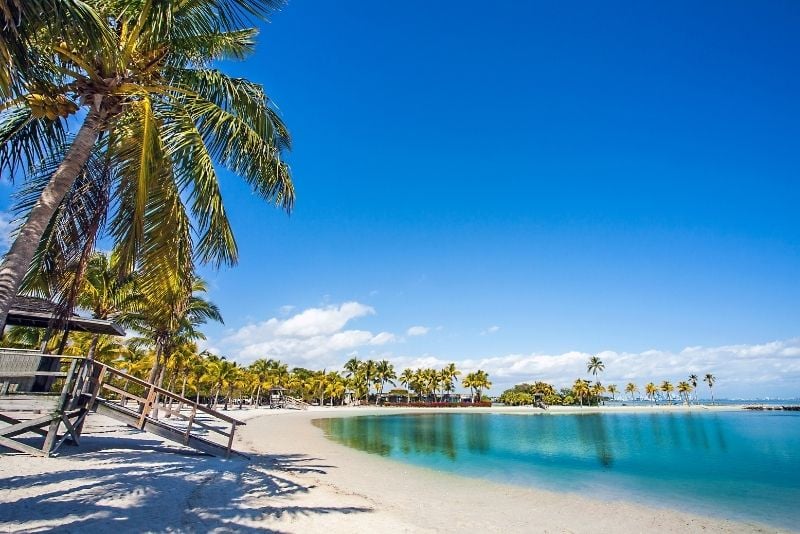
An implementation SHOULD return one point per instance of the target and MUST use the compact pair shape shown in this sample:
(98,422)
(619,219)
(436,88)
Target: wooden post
(230,441)
(148,405)
(189,425)
(52,434)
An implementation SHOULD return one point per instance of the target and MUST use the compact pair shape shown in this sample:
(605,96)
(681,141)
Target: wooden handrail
(168,393)
(31,374)
(32,354)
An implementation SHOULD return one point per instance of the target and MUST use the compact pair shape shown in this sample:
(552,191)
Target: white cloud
(417,331)
(383,338)
(319,321)
(491,330)
(319,337)
(313,337)
(757,370)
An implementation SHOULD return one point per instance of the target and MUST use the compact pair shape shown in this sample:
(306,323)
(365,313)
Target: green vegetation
(583,392)
(154,122)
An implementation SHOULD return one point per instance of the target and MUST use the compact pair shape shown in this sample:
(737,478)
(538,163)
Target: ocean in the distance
(736,465)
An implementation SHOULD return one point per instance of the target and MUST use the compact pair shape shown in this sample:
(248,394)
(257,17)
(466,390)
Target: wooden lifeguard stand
(41,392)
(277,397)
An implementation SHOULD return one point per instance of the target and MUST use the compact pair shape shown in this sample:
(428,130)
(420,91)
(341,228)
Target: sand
(123,480)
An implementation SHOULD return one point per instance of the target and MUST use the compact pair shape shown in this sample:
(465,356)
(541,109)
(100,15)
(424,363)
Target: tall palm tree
(651,390)
(108,295)
(612,388)
(710,379)
(684,389)
(480,382)
(136,76)
(171,317)
(368,370)
(406,379)
(264,372)
(693,379)
(469,382)
(431,381)
(581,390)
(384,372)
(631,389)
(352,366)
(449,373)
(668,388)
(597,391)
(595,365)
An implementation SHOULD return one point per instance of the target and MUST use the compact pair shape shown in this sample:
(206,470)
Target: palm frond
(26,141)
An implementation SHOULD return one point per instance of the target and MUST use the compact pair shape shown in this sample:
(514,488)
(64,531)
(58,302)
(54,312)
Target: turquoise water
(737,465)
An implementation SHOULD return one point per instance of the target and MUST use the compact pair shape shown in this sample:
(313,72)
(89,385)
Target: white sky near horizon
(326,336)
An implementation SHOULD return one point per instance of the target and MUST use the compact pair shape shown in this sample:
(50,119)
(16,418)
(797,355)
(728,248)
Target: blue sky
(531,182)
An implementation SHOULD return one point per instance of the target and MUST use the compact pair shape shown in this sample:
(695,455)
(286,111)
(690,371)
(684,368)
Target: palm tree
(151,105)
(108,295)
(631,389)
(651,390)
(668,388)
(595,365)
(469,382)
(334,387)
(597,391)
(352,366)
(684,389)
(480,381)
(431,381)
(406,379)
(368,370)
(262,371)
(693,381)
(581,390)
(169,317)
(710,379)
(612,388)
(384,372)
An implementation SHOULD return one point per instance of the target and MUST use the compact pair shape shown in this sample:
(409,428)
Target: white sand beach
(297,480)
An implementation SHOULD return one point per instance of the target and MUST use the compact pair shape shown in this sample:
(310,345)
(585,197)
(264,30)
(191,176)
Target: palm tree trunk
(93,347)
(18,259)
(160,381)
(183,391)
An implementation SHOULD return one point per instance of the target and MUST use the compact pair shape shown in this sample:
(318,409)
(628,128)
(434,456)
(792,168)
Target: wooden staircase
(89,386)
(297,404)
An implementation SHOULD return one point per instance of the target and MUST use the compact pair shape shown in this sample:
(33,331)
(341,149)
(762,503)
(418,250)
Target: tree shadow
(135,484)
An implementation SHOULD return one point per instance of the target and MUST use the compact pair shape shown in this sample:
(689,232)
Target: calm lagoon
(737,464)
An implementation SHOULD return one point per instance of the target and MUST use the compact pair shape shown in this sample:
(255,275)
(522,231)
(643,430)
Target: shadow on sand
(115,484)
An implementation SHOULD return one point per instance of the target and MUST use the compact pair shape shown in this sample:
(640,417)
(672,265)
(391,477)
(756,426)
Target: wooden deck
(84,386)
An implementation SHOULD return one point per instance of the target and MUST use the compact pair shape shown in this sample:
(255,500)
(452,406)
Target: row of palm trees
(425,383)
(684,388)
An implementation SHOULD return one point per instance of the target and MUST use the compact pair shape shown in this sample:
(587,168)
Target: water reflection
(539,439)
(745,463)
(425,434)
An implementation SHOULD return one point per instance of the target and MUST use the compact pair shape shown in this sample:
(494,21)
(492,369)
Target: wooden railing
(52,401)
(19,369)
(105,378)
(68,387)
(298,403)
